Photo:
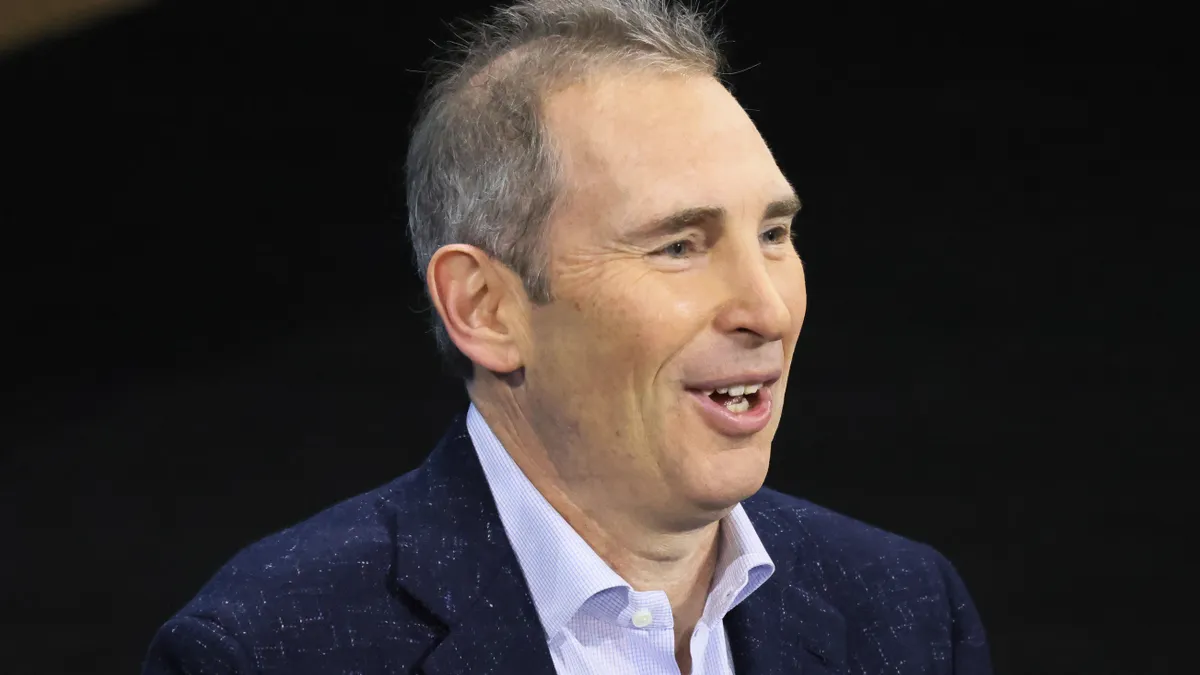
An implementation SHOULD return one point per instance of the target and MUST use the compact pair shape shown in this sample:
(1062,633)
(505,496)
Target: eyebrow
(786,207)
(783,208)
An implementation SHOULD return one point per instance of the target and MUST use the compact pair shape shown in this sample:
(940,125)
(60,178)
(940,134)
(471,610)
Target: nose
(756,303)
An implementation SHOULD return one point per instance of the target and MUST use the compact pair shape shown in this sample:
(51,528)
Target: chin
(730,476)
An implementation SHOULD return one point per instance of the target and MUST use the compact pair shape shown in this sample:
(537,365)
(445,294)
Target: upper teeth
(740,390)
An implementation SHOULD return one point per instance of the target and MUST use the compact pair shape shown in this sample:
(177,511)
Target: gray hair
(481,167)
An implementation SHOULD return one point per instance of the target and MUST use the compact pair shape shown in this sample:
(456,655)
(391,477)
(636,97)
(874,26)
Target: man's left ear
(482,304)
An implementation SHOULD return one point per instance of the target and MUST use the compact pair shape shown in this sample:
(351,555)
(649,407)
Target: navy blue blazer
(418,577)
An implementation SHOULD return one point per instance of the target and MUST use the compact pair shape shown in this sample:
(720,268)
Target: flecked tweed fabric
(418,576)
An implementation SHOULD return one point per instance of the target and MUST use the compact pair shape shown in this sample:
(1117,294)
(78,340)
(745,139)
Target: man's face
(650,315)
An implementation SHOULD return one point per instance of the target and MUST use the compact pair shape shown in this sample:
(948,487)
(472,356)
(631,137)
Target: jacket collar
(453,556)
(786,627)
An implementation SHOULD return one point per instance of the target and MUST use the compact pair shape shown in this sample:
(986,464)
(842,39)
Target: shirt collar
(561,569)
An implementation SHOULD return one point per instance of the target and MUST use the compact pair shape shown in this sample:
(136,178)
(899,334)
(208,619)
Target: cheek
(632,327)
(799,306)
(663,318)
(595,339)
(636,330)
(794,291)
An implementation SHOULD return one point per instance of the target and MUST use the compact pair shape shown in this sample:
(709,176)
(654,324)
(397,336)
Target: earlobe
(470,293)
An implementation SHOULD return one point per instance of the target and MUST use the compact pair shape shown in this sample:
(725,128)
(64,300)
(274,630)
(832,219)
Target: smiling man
(607,242)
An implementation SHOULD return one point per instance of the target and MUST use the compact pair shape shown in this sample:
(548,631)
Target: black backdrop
(214,329)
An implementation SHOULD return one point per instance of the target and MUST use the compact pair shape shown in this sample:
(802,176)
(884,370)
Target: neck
(681,564)
(647,556)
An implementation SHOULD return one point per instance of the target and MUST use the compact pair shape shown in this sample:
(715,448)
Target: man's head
(606,240)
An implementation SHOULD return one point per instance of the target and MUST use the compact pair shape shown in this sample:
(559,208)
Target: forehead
(639,145)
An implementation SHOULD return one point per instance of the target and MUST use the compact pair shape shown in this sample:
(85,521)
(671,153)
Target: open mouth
(737,410)
(737,399)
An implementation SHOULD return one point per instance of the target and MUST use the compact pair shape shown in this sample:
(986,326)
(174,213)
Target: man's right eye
(678,249)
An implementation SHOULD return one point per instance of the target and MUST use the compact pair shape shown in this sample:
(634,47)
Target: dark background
(214,330)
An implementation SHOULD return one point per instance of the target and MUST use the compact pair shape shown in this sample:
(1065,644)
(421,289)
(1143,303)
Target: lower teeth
(738,404)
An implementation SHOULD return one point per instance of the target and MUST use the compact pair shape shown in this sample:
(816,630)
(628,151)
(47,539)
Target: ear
(481,304)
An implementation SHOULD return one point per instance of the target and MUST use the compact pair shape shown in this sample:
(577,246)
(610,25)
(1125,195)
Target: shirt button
(642,618)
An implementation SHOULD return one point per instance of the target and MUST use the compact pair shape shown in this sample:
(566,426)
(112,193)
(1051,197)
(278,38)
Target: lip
(729,423)
(768,378)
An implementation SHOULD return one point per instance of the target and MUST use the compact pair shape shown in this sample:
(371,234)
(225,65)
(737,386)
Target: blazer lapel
(782,627)
(501,634)
(454,557)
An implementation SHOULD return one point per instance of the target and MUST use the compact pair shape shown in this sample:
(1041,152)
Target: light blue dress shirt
(595,623)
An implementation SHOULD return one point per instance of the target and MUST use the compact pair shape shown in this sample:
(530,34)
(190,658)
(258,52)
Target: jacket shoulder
(348,542)
(831,535)
(894,592)
(859,569)
(321,588)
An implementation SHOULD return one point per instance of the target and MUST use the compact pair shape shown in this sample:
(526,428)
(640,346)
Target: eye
(678,249)
(777,235)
